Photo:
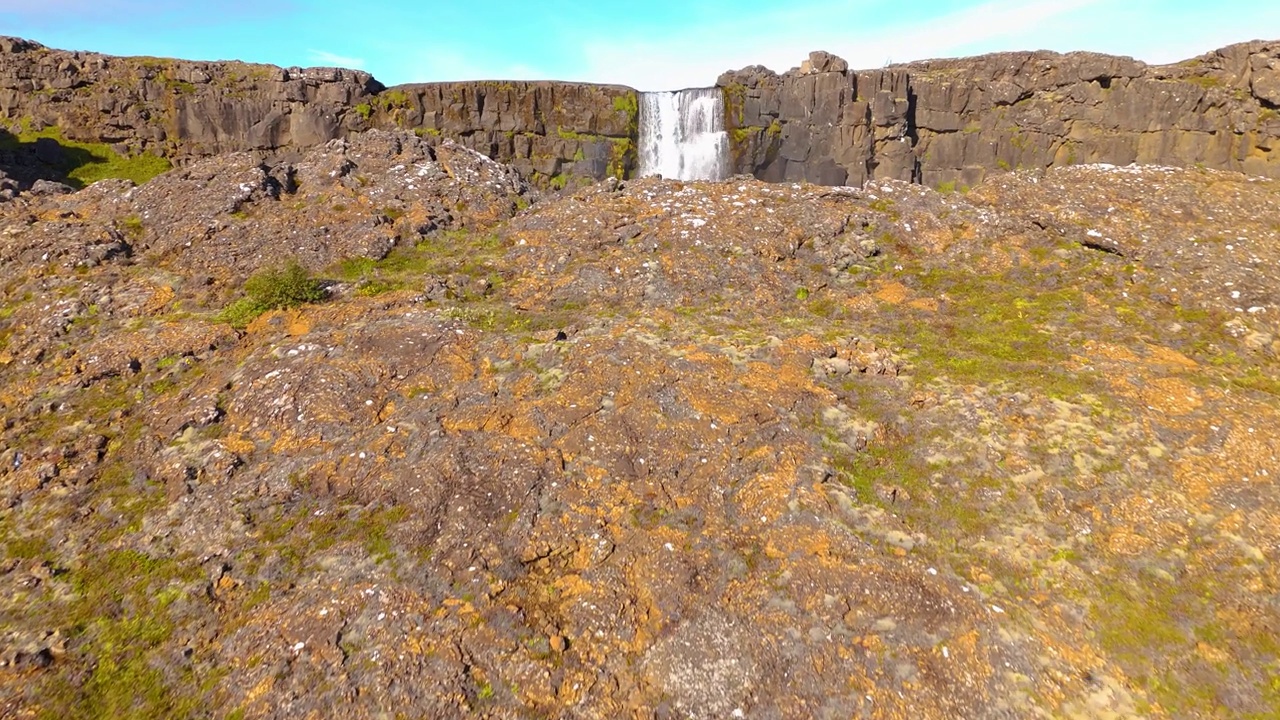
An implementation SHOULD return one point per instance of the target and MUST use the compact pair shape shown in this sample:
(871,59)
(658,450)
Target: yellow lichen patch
(1170,396)
(892,293)
(296,323)
(238,444)
(1110,352)
(1170,358)
(1126,542)
(765,497)
(159,300)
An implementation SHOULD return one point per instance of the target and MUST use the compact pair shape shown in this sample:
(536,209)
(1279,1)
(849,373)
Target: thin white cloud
(329,59)
(781,40)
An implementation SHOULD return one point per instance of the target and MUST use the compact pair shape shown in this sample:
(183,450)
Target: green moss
(1206,82)
(993,329)
(132,226)
(364,110)
(393,99)
(629,104)
(735,104)
(121,618)
(374,526)
(622,154)
(273,289)
(85,163)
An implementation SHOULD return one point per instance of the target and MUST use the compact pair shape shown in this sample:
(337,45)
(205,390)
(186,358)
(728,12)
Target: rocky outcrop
(552,132)
(955,121)
(939,122)
(655,449)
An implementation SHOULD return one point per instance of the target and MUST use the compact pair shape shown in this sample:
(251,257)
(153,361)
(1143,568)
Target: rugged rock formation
(554,133)
(939,122)
(955,121)
(648,450)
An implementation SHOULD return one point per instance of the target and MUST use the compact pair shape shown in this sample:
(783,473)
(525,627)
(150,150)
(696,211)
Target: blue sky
(653,45)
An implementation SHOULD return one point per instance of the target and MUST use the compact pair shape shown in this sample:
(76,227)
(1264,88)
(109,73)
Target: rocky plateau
(379,428)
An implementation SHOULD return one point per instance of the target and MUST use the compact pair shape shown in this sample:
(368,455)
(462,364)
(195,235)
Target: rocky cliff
(947,122)
(553,133)
(941,122)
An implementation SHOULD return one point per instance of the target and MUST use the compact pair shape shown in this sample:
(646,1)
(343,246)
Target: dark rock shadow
(41,159)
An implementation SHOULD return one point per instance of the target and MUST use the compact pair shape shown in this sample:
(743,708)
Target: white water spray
(682,135)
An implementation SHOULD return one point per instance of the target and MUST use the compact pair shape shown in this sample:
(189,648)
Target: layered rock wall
(556,133)
(938,122)
(955,121)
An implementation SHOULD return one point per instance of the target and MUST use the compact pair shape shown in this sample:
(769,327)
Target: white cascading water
(682,135)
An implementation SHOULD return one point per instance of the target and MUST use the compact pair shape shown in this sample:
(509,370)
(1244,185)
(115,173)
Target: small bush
(273,289)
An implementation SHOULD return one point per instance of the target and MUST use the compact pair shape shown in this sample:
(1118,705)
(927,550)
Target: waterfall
(682,135)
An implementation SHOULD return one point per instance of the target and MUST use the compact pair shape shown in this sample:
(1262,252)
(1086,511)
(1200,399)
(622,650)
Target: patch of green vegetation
(373,287)
(84,163)
(1253,378)
(972,128)
(120,616)
(1205,81)
(947,187)
(883,205)
(802,293)
(373,528)
(735,104)
(622,153)
(178,87)
(629,104)
(824,307)
(492,317)
(273,289)
(364,110)
(1003,165)
(992,329)
(558,181)
(393,99)
(1267,115)
(455,252)
(132,226)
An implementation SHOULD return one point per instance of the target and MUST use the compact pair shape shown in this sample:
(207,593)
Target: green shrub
(273,289)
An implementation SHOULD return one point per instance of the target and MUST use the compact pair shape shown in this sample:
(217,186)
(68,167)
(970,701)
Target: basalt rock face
(551,132)
(943,121)
(179,108)
(937,122)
